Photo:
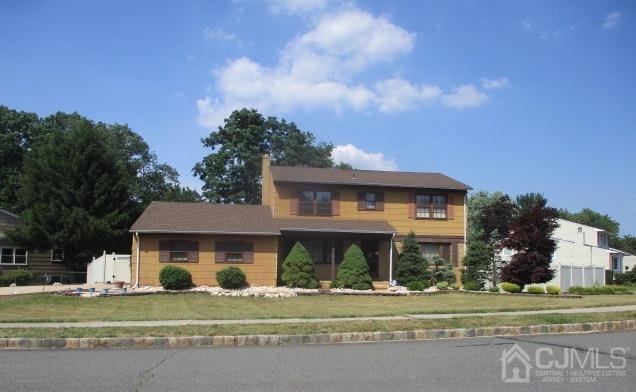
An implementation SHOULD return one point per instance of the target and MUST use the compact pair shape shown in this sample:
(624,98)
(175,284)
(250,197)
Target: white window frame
(26,256)
(57,260)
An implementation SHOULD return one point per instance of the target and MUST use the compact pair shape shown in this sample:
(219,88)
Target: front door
(371,250)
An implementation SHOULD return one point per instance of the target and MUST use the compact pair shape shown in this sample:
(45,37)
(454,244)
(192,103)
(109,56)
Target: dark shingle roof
(365,177)
(335,225)
(205,218)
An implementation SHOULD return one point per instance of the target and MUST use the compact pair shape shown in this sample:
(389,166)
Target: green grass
(309,328)
(49,307)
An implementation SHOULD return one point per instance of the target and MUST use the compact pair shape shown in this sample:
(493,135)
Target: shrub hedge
(417,285)
(175,278)
(231,278)
(553,290)
(510,287)
(535,290)
(20,277)
(597,290)
(470,285)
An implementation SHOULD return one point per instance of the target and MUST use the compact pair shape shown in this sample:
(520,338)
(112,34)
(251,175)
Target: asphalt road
(442,365)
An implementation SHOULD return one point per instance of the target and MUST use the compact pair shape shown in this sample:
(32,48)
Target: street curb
(321,338)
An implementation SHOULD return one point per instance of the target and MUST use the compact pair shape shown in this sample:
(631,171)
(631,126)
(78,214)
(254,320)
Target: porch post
(391,258)
(333,258)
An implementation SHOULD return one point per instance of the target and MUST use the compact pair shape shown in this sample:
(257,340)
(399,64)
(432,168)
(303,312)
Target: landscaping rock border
(320,338)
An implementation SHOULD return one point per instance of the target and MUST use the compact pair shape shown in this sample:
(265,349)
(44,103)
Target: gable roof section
(205,218)
(365,177)
(335,226)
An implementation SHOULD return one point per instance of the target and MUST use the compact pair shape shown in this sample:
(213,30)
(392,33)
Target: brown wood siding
(262,271)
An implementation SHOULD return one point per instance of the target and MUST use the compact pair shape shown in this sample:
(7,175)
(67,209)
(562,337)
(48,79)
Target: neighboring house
(629,262)
(325,209)
(36,261)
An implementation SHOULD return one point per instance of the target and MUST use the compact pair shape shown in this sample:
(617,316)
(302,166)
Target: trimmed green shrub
(442,285)
(625,278)
(20,277)
(444,274)
(494,289)
(478,263)
(553,290)
(510,287)
(175,278)
(353,272)
(411,265)
(231,278)
(598,290)
(417,285)
(298,269)
(469,285)
(535,290)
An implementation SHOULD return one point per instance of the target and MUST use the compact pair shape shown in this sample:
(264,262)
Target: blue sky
(513,96)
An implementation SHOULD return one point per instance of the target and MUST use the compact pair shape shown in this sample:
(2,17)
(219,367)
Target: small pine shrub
(442,285)
(444,274)
(553,290)
(416,285)
(231,278)
(470,285)
(20,277)
(298,268)
(494,289)
(175,278)
(510,287)
(353,272)
(535,290)
(411,265)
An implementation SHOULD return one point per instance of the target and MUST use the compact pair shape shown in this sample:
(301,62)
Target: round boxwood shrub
(535,290)
(175,278)
(353,272)
(231,278)
(416,285)
(298,268)
(510,287)
(553,290)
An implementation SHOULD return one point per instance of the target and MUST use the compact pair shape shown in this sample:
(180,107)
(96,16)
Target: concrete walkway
(161,323)
(49,288)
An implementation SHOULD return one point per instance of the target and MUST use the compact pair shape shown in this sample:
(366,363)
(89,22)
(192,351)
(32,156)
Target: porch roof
(335,226)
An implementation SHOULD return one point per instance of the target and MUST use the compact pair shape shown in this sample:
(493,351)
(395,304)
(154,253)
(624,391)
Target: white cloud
(361,159)
(217,34)
(297,6)
(612,20)
(318,69)
(526,24)
(464,96)
(490,84)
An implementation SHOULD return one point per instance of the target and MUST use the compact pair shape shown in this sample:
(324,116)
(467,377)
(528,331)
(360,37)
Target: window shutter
(361,201)
(248,253)
(164,251)
(450,207)
(411,203)
(335,203)
(193,253)
(219,252)
(293,203)
(379,201)
(445,252)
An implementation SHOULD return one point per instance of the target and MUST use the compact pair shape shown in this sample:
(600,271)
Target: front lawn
(49,307)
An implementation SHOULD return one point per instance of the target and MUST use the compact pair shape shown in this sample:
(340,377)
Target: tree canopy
(592,218)
(231,173)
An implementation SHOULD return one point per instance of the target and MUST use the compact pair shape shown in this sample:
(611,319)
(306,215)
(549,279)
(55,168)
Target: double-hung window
(178,251)
(16,256)
(371,200)
(430,206)
(314,203)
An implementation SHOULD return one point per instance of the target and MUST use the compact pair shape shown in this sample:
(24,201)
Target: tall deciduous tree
(74,195)
(232,172)
(531,239)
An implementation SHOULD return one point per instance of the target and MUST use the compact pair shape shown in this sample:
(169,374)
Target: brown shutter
(335,203)
(164,251)
(193,253)
(248,253)
(450,207)
(293,203)
(411,204)
(361,201)
(219,252)
(379,201)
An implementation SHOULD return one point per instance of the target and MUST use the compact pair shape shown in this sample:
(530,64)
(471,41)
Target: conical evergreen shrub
(298,269)
(411,266)
(353,272)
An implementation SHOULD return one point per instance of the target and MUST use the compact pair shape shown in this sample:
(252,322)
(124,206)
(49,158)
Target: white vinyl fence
(108,268)
(576,275)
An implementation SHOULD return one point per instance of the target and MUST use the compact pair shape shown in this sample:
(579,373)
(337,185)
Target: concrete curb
(322,338)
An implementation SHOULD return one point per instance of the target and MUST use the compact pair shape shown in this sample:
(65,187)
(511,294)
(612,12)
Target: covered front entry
(327,251)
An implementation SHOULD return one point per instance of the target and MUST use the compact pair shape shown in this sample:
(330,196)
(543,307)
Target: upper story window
(178,251)
(13,256)
(370,201)
(314,203)
(603,240)
(430,206)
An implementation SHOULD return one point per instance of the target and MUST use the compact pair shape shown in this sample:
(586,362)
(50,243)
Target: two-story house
(327,210)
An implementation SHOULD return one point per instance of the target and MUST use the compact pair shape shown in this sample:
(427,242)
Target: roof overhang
(371,184)
(203,232)
(350,231)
